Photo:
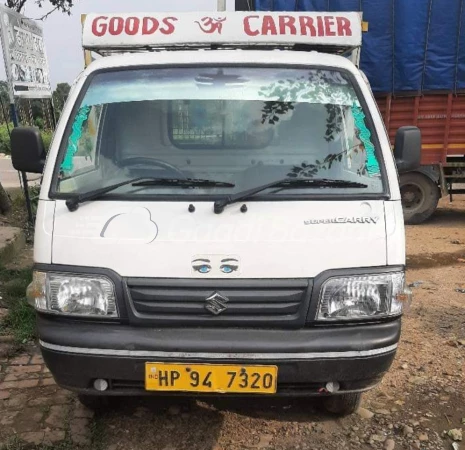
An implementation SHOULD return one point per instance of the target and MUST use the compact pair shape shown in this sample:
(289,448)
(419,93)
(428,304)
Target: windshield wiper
(73,203)
(286,183)
(187,182)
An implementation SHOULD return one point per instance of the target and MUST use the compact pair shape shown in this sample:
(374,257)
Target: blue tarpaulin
(410,45)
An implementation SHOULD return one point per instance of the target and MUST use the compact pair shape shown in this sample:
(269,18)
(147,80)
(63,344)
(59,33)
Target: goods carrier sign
(126,31)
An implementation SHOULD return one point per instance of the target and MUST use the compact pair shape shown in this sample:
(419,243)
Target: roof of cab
(230,57)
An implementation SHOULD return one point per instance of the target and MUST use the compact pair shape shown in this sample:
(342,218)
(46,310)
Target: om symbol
(211,25)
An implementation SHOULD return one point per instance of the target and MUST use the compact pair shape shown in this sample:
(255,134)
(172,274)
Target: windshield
(242,126)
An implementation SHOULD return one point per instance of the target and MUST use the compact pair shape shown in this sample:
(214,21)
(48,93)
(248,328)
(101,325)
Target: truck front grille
(282,303)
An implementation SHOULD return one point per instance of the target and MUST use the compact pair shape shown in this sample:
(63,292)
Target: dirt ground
(419,402)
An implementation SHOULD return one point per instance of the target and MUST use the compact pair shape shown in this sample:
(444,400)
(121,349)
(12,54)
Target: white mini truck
(220,212)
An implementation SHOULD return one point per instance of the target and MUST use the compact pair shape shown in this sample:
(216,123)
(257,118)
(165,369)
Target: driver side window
(81,157)
(81,153)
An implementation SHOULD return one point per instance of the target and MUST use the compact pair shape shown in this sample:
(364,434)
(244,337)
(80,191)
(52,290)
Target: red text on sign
(319,26)
(132,26)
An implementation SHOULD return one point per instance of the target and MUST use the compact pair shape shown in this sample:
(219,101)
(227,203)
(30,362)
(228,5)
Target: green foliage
(5,138)
(47,137)
(4,95)
(5,146)
(60,94)
(16,287)
(20,320)
(34,192)
(15,443)
(39,122)
(10,279)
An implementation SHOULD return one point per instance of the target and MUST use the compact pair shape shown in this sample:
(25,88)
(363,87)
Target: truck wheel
(344,404)
(420,197)
(94,402)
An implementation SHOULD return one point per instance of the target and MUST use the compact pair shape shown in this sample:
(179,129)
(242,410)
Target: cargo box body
(441,118)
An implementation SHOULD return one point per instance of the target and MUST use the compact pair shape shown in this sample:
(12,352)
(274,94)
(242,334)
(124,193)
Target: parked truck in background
(413,55)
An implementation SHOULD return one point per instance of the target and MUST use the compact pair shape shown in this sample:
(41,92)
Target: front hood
(271,240)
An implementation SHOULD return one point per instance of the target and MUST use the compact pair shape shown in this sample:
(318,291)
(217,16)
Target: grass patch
(98,433)
(18,216)
(16,444)
(20,322)
(16,287)
(12,444)
(20,319)
(13,285)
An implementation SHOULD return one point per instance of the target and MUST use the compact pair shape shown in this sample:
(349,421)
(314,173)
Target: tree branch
(46,15)
(60,5)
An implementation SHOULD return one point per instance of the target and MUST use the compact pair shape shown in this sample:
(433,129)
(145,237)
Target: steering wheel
(138,160)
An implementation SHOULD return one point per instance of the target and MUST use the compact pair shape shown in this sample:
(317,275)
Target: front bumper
(355,356)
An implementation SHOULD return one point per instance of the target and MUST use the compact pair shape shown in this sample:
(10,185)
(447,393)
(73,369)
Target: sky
(63,33)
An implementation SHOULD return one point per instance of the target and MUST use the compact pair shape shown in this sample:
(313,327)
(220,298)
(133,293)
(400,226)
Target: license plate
(211,378)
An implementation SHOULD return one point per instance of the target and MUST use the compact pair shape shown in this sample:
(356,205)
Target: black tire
(420,197)
(95,403)
(342,405)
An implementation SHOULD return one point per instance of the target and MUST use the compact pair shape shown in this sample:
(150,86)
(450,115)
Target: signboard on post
(24,54)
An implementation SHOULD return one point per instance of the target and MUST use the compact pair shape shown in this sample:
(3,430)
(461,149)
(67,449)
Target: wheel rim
(413,196)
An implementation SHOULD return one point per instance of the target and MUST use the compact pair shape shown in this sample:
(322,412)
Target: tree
(57,5)
(5,101)
(60,94)
(5,203)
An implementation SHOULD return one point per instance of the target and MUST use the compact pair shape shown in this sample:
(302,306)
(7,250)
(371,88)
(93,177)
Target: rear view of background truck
(413,55)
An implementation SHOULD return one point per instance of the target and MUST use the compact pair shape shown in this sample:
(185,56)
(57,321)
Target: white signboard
(135,31)
(24,54)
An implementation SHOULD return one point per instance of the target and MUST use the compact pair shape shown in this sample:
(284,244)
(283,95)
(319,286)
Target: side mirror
(27,150)
(407,149)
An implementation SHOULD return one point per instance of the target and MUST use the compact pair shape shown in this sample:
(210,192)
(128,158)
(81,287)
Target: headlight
(363,297)
(81,295)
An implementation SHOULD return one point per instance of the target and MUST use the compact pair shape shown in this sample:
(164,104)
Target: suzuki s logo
(216,303)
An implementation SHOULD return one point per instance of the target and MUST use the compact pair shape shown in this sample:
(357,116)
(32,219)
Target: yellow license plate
(211,378)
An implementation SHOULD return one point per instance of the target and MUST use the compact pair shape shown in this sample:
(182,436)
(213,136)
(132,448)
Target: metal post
(221,5)
(14,119)
(53,114)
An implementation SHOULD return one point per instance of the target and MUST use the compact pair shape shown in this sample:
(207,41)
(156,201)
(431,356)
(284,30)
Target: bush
(39,122)
(5,146)
(5,139)
(47,136)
